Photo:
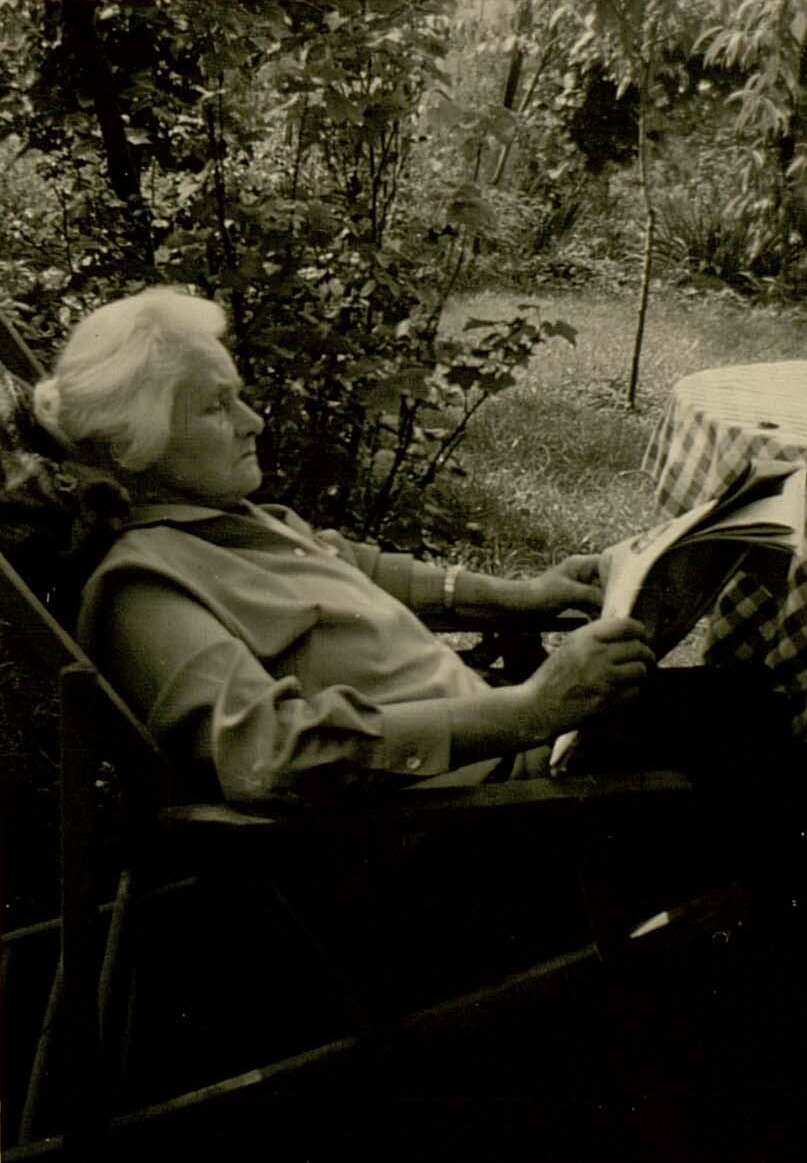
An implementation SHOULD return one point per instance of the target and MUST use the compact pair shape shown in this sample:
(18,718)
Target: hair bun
(47,401)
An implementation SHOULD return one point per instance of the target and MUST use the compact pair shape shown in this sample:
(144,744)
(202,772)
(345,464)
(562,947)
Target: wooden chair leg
(43,1060)
(85,1102)
(125,994)
(5,960)
(115,988)
(111,968)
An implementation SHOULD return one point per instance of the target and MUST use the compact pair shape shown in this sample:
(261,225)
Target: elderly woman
(279,659)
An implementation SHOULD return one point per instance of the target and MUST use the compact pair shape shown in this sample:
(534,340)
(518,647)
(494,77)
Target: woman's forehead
(218,360)
(211,368)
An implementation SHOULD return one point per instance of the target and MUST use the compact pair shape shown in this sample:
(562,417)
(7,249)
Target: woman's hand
(573,583)
(576,583)
(595,666)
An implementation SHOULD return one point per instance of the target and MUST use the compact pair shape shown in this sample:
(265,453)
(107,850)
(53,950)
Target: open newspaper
(670,577)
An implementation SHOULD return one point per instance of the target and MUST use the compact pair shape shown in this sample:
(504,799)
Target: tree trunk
(644,296)
(650,222)
(792,194)
(96,76)
(508,102)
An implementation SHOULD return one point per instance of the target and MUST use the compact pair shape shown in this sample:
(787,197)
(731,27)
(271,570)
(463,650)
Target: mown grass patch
(684,333)
(554,464)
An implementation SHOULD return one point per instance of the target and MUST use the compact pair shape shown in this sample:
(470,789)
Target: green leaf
(251,265)
(445,113)
(412,380)
(320,219)
(383,461)
(468,208)
(386,7)
(341,110)
(473,324)
(503,126)
(379,395)
(138,137)
(561,328)
(334,21)
(463,376)
(492,382)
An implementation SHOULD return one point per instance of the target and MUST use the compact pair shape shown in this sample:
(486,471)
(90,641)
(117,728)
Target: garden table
(714,423)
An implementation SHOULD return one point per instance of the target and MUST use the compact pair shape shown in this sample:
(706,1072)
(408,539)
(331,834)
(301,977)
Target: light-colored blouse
(291,658)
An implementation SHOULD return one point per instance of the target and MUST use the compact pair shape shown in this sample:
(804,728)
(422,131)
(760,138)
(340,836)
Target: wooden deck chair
(88,1011)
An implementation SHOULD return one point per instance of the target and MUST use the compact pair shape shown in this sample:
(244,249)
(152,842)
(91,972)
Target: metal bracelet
(449,586)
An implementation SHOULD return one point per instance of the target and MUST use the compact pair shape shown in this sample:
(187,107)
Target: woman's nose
(250,423)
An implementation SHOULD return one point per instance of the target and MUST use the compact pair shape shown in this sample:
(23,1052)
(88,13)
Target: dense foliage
(335,170)
(261,152)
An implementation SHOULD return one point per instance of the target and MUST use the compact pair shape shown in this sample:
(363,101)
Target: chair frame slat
(15,353)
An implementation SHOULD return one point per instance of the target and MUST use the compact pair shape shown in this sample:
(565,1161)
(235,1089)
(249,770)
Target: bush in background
(262,153)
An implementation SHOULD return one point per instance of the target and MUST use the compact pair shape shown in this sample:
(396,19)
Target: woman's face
(210,458)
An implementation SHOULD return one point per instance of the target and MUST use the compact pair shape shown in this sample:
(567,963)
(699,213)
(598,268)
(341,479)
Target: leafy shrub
(262,153)
(699,231)
(528,230)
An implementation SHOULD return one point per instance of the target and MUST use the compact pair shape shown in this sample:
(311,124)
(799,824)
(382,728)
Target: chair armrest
(573,791)
(479,622)
(513,649)
(216,816)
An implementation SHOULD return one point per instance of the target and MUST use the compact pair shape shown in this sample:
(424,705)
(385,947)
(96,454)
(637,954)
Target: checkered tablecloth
(715,422)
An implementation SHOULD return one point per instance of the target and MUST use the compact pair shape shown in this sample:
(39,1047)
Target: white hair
(114,384)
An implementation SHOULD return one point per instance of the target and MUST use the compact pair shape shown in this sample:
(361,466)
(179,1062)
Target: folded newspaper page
(670,576)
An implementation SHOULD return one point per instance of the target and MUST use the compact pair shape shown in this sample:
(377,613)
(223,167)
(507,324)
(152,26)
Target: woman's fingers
(582,567)
(630,673)
(629,651)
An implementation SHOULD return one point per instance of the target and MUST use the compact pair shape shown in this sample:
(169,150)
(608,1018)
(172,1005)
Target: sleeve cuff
(417,584)
(416,740)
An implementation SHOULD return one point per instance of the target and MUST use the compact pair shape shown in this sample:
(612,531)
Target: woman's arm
(596,666)
(574,583)
(205,695)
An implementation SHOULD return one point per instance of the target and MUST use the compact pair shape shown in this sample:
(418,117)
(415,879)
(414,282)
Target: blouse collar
(178,513)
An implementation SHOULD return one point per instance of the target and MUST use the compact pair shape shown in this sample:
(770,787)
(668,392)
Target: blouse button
(298,551)
(413,762)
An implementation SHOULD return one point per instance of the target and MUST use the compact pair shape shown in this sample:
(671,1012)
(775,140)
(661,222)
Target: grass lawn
(554,463)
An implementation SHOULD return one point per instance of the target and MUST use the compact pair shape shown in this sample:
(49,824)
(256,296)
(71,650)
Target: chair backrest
(15,353)
(116,729)
(109,725)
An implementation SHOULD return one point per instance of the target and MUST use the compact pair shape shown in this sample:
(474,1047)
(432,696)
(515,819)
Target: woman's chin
(254,478)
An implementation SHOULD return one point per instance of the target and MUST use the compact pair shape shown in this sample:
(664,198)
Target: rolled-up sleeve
(418,584)
(190,678)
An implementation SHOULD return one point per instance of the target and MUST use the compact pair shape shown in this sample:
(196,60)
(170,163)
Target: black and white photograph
(403,581)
